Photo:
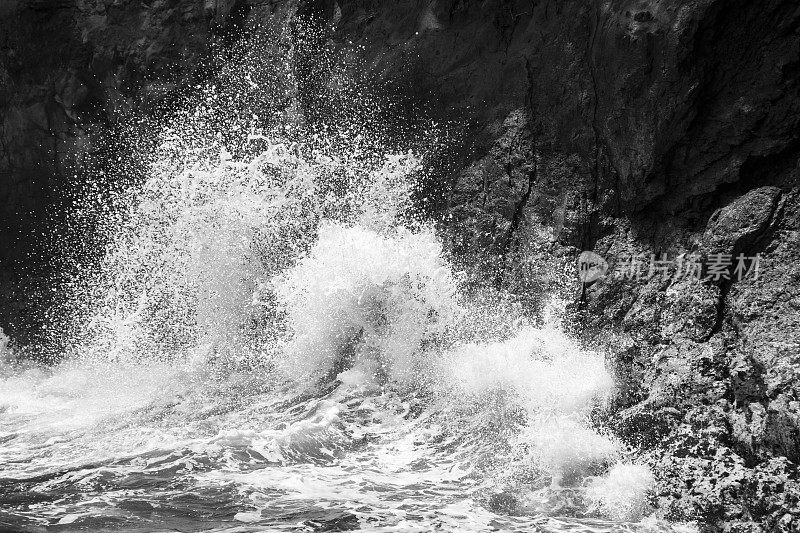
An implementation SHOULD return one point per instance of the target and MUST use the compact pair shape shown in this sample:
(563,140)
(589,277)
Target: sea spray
(373,299)
(275,337)
(5,351)
(622,493)
(552,387)
(383,306)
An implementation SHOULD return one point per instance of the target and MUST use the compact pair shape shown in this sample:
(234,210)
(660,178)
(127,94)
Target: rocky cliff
(661,135)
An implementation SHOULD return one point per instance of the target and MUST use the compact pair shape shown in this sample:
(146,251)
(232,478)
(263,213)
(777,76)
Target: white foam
(288,250)
(622,492)
(546,368)
(375,297)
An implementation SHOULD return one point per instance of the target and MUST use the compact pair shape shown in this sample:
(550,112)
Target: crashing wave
(268,300)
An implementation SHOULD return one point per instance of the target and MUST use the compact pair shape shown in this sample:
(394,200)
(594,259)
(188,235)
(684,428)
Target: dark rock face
(69,67)
(633,128)
(68,71)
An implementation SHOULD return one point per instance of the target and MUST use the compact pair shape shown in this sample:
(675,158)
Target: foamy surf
(372,412)
(273,340)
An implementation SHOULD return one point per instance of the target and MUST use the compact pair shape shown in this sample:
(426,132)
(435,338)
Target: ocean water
(491,436)
(273,339)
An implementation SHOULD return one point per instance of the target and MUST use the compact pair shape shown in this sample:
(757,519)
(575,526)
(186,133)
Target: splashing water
(371,298)
(271,342)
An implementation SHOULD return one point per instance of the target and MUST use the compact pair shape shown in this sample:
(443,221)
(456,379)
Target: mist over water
(274,338)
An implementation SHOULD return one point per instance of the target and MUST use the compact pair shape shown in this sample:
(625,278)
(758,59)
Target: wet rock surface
(633,128)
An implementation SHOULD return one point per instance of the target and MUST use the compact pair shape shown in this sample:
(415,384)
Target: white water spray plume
(273,337)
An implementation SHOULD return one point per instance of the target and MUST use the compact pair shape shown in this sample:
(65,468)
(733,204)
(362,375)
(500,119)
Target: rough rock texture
(634,128)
